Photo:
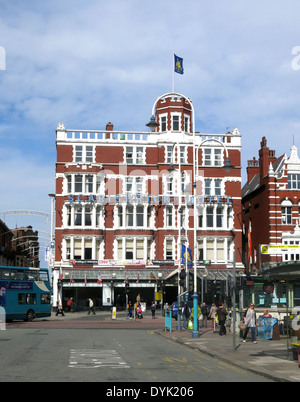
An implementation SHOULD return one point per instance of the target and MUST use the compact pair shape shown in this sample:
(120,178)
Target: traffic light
(182,277)
(127,286)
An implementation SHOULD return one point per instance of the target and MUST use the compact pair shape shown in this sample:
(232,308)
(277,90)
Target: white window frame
(137,185)
(187,123)
(172,241)
(138,155)
(87,153)
(120,247)
(68,247)
(212,156)
(163,121)
(175,114)
(96,216)
(121,214)
(224,253)
(212,188)
(225,216)
(286,216)
(293,181)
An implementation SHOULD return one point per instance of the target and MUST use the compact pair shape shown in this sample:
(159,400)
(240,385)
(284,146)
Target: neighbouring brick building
(18,247)
(125,203)
(271,205)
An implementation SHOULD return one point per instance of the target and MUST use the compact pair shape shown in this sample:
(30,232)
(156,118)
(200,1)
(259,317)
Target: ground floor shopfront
(283,282)
(115,287)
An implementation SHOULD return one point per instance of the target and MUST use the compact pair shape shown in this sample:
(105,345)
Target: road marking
(207,369)
(95,358)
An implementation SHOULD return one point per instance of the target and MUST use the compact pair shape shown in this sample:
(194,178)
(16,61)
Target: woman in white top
(250,321)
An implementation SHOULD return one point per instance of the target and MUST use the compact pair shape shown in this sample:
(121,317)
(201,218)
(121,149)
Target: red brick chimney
(109,127)
(266,157)
(252,169)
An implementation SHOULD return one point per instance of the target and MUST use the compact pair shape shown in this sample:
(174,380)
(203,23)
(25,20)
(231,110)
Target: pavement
(272,359)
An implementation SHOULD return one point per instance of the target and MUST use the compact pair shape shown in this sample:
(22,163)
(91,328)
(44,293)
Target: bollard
(2,319)
(114,313)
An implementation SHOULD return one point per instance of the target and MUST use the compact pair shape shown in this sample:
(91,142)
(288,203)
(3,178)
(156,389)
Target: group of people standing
(249,321)
(203,314)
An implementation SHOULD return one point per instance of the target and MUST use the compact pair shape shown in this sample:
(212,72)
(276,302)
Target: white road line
(95,358)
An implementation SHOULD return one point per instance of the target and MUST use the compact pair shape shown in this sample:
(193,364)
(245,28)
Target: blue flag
(178,64)
(186,254)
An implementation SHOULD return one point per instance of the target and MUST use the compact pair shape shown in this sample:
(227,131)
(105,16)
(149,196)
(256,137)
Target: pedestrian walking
(153,308)
(129,308)
(60,310)
(91,306)
(222,313)
(185,315)
(251,322)
(69,304)
(212,313)
(205,314)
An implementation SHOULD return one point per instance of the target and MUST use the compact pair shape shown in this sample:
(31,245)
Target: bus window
(44,276)
(21,298)
(33,275)
(26,298)
(45,298)
(4,273)
(17,274)
(30,298)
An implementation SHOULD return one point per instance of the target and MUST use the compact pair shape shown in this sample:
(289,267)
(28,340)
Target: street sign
(278,248)
(204,262)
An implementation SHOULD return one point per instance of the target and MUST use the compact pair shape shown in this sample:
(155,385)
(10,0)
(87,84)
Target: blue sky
(89,62)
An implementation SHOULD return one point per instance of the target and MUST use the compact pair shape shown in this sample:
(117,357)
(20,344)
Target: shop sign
(278,248)
(269,288)
(147,198)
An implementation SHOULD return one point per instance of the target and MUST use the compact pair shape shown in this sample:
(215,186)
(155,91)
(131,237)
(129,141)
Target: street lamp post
(51,254)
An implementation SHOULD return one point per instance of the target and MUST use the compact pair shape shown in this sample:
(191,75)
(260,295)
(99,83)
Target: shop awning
(284,270)
(211,274)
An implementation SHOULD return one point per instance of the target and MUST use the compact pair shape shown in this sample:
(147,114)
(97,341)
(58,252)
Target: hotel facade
(125,205)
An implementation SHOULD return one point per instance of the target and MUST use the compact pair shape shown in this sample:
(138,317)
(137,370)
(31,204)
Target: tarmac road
(270,360)
(108,356)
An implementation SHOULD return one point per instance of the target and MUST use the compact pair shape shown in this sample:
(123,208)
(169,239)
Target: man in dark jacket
(221,313)
(186,315)
(205,314)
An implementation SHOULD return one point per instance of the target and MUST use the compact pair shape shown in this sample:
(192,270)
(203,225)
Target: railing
(104,135)
(134,136)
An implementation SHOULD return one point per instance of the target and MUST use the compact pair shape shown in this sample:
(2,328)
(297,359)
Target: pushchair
(139,312)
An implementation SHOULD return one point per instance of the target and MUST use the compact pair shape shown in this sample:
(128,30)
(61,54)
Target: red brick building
(125,203)
(271,202)
(19,247)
